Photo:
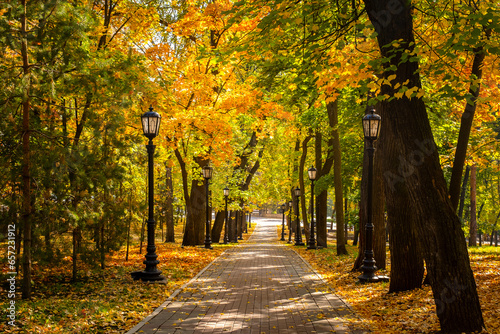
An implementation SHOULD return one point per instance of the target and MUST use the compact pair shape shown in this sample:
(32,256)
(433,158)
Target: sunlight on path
(259,287)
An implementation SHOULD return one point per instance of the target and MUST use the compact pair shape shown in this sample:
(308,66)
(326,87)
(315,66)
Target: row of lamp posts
(151,125)
(371,131)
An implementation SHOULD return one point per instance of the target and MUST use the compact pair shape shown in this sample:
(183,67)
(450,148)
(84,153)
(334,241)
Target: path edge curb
(171,297)
(329,287)
(176,292)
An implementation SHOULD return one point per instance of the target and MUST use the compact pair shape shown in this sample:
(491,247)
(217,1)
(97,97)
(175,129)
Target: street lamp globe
(312,173)
(207,172)
(151,123)
(371,124)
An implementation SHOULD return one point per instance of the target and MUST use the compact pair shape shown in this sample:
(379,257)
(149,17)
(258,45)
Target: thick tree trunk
(436,224)
(321,219)
(169,206)
(194,233)
(378,211)
(218,227)
(407,265)
(473,221)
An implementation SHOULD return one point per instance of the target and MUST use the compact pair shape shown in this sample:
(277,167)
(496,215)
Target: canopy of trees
(260,90)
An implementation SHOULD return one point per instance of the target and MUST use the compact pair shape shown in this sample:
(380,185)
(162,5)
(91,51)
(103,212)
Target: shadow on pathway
(259,287)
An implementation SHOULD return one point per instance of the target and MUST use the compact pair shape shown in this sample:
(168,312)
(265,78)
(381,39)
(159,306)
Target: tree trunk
(195,206)
(218,227)
(466,124)
(436,224)
(462,195)
(321,218)
(169,206)
(473,221)
(337,180)
(324,169)
(302,198)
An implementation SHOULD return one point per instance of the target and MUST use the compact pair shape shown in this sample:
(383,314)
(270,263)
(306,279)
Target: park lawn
(105,301)
(404,312)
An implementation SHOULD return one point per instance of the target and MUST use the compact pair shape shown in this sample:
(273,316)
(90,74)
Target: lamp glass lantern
(226,191)
(207,172)
(297,192)
(151,123)
(371,124)
(312,173)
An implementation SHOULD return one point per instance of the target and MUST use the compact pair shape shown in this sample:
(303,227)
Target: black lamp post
(226,231)
(207,174)
(283,207)
(150,126)
(371,129)
(290,203)
(298,232)
(312,177)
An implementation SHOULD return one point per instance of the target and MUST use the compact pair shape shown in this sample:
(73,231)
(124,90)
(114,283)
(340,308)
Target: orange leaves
(404,312)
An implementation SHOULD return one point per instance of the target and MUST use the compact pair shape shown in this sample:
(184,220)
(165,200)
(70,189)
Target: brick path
(259,287)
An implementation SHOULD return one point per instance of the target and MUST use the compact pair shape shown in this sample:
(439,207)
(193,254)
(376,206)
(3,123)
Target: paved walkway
(259,287)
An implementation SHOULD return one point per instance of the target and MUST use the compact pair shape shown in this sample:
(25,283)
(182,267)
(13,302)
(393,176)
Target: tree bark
(337,180)
(473,220)
(466,125)
(169,206)
(218,227)
(302,198)
(324,169)
(195,207)
(462,195)
(436,224)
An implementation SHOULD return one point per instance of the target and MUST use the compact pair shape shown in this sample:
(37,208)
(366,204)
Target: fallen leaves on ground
(404,312)
(105,301)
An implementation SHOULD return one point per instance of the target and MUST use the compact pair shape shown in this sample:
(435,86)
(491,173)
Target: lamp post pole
(312,177)
(298,232)
(151,126)
(283,207)
(371,128)
(207,174)
(290,203)
(226,231)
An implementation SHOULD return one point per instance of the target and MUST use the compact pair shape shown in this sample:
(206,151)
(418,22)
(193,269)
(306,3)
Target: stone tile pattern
(258,287)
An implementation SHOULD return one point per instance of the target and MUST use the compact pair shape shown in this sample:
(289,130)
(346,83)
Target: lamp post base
(372,278)
(149,276)
(311,246)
